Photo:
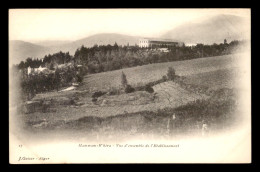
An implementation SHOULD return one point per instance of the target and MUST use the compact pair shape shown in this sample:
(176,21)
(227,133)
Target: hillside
(51,43)
(212,30)
(141,75)
(20,50)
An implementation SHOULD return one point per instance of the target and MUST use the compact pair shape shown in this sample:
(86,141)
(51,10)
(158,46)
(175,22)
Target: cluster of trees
(107,58)
(33,63)
(49,61)
(53,79)
(41,82)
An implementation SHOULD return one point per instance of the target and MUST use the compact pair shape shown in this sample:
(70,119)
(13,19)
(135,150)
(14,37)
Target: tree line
(107,57)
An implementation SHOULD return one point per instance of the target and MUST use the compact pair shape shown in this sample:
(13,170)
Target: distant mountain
(108,38)
(50,43)
(99,39)
(21,50)
(211,30)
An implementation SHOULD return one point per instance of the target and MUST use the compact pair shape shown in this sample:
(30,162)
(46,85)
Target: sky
(73,24)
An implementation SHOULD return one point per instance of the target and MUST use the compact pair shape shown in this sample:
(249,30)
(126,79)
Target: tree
(52,66)
(171,73)
(57,79)
(149,89)
(225,41)
(123,80)
(116,46)
(129,89)
(21,65)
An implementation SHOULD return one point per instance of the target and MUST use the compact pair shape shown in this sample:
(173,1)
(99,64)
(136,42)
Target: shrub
(149,89)
(98,94)
(129,89)
(79,78)
(164,78)
(94,100)
(171,73)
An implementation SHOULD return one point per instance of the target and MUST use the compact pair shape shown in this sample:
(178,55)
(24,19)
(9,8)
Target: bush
(171,73)
(79,78)
(94,100)
(129,89)
(98,94)
(164,78)
(149,89)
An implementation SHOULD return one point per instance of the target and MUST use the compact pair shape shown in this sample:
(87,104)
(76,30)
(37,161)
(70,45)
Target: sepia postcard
(129,86)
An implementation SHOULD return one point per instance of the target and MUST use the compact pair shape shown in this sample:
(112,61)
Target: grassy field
(223,78)
(143,74)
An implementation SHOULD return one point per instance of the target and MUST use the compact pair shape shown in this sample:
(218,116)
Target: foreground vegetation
(217,113)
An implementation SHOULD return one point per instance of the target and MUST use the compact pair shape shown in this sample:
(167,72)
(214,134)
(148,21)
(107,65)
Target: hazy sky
(73,24)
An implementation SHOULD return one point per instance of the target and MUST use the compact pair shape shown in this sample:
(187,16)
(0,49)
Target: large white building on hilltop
(159,43)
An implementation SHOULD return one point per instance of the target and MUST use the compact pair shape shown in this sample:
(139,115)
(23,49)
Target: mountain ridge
(209,31)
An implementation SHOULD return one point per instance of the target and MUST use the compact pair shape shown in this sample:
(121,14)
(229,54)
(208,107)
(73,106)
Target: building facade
(35,70)
(158,43)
